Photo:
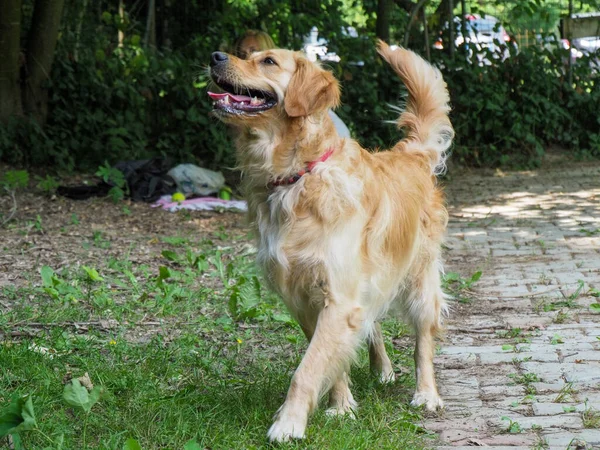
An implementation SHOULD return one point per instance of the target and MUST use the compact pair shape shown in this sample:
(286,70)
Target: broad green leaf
(282,317)
(92,273)
(47,274)
(170,255)
(192,445)
(18,416)
(77,395)
(595,307)
(132,444)
(95,395)
(476,276)
(163,273)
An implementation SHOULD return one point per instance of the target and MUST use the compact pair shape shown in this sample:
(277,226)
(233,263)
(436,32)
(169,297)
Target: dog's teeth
(254,100)
(226,99)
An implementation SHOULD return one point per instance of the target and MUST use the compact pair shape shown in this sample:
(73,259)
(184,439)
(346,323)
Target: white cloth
(340,126)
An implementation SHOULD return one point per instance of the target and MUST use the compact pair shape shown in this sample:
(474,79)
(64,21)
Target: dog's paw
(431,400)
(335,411)
(286,428)
(387,376)
(346,407)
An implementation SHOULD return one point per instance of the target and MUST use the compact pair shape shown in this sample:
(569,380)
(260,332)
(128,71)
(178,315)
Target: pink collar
(309,167)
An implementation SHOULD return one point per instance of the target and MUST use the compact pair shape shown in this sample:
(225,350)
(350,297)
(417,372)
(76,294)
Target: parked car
(483,33)
(551,41)
(315,46)
(589,46)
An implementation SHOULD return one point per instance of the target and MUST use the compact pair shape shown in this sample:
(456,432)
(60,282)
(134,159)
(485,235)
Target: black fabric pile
(147,181)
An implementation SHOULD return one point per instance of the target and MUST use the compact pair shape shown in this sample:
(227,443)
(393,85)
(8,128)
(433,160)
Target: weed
(580,286)
(557,339)
(74,219)
(526,380)
(566,394)
(10,183)
(561,317)
(589,233)
(590,418)
(47,185)
(513,425)
(457,285)
(114,177)
(509,334)
(99,240)
(36,224)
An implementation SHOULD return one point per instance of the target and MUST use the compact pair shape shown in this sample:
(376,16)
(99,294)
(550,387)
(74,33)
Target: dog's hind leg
(425,310)
(379,360)
(331,348)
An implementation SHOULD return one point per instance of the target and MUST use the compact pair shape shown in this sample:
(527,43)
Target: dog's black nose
(218,57)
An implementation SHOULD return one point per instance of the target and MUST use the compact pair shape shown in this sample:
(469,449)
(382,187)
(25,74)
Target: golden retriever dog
(344,235)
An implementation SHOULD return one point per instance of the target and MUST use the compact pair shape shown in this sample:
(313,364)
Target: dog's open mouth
(241,100)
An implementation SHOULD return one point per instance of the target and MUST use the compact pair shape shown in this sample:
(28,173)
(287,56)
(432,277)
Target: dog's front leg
(331,348)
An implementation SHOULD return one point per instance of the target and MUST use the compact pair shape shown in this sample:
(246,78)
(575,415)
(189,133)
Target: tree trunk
(80,18)
(382,26)
(10,38)
(150,34)
(120,33)
(41,44)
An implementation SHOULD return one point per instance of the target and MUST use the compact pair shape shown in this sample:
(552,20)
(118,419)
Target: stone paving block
(478,323)
(566,421)
(469,447)
(547,388)
(528,322)
(513,404)
(497,358)
(456,361)
(564,438)
(471,349)
(552,409)
(546,372)
(583,356)
(584,373)
(496,392)
(566,347)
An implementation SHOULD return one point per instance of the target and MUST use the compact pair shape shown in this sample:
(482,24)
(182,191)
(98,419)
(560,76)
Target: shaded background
(127,80)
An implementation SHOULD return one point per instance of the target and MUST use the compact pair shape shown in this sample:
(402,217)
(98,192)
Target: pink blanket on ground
(200,204)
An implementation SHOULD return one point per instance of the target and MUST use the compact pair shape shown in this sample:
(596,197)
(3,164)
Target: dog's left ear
(311,89)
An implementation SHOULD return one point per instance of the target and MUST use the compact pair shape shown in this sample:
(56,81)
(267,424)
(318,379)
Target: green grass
(192,348)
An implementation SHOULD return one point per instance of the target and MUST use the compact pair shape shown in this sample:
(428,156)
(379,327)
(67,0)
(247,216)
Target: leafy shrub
(120,103)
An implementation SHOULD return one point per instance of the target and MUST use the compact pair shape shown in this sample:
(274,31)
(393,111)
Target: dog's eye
(269,61)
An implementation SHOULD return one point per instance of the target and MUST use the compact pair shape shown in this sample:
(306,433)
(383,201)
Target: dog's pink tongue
(236,98)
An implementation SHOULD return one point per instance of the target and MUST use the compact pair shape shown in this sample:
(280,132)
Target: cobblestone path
(520,365)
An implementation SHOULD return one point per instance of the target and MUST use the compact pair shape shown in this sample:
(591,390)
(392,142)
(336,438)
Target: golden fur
(357,236)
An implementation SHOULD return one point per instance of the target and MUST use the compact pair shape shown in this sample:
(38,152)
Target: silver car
(483,33)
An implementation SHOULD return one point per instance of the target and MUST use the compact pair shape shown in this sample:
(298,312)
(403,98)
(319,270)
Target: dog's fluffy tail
(425,118)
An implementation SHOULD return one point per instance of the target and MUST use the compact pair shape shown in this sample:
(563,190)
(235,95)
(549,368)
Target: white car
(483,33)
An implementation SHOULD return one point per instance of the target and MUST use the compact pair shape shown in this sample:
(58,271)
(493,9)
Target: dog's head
(270,84)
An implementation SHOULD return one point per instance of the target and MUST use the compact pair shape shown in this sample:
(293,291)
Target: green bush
(121,103)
